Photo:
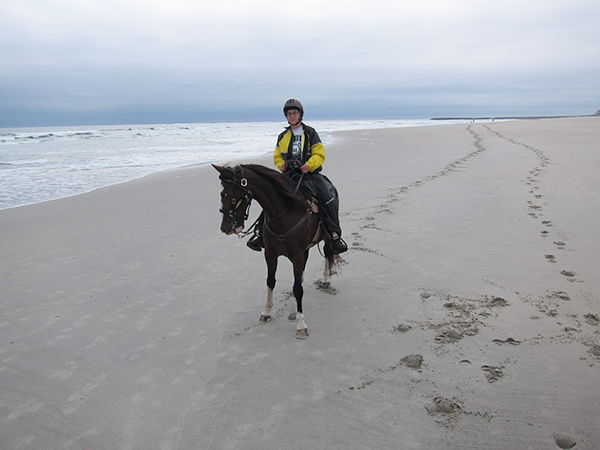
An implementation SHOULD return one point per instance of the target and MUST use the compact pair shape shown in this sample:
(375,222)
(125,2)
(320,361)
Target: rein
(248,196)
(295,227)
(242,234)
(291,230)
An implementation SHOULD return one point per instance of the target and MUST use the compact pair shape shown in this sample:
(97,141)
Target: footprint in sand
(493,373)
(443,405)
(449,336)
(326,287)
(592,319)
(569,274)
(593,348)
(509,340)
(498,301)
(413,361)
(558,295)
(564,440)
(402,328)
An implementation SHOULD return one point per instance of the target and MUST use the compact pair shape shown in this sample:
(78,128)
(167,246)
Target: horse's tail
(333,261)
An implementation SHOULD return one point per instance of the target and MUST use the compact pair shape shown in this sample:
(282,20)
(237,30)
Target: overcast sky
(76,62)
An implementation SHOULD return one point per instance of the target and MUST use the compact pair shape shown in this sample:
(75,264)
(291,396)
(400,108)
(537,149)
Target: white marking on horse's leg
(301,328)
(327,273)
(269,305)
(301,324)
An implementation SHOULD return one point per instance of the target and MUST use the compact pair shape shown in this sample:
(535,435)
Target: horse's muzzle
(230,230)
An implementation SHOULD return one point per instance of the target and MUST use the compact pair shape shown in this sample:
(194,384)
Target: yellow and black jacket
(313,152)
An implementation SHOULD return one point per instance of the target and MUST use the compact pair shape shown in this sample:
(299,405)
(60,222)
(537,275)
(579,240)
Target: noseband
(244,194)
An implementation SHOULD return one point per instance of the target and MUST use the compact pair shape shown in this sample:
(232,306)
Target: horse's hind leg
(271,269)
(326,282)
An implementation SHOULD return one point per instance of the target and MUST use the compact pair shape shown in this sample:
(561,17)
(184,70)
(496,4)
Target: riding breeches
(329,201)
(317,185)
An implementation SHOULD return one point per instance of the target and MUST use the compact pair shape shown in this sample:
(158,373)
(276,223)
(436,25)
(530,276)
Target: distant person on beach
(299,154)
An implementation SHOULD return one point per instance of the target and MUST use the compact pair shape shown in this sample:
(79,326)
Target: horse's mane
(277,180)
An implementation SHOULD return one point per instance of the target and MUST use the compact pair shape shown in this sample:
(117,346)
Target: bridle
(245,194)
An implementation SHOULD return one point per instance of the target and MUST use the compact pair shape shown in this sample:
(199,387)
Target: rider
(300,154)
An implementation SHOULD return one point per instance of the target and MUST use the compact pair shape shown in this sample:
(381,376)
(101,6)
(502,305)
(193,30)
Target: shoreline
(466,313)
(74,176)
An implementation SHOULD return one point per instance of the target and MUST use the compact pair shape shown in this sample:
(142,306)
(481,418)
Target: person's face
(293,116)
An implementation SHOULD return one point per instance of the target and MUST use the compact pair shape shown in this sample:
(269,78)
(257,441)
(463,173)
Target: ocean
(41,164)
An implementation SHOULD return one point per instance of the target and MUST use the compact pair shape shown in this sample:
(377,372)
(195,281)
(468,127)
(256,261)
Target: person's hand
(305,168)
(284,166)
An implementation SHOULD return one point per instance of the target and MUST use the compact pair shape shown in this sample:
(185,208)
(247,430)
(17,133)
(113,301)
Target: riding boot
(332,223)
(256,242)
(338,245)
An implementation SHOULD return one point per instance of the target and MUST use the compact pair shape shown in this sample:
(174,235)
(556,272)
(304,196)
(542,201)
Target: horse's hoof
(323,285)
(301,334)
(292,316)
(265,319)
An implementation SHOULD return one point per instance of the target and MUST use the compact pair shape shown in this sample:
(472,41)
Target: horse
(291,227)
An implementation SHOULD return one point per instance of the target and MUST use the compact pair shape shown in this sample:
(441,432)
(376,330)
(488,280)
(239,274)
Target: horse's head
(235,199)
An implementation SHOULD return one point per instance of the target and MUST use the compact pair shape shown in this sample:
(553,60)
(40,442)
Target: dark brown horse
(290,226)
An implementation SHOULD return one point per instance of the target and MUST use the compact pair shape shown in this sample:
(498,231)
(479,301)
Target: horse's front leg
(271,269)
(301,328)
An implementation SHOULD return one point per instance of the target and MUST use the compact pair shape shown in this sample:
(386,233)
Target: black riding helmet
(292,103)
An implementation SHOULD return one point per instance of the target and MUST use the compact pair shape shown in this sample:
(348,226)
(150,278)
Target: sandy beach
(465,315)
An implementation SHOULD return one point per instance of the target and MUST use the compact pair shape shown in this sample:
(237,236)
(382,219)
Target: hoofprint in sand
(466,315)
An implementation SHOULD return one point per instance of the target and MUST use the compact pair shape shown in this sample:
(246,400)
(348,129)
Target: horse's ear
(222,170)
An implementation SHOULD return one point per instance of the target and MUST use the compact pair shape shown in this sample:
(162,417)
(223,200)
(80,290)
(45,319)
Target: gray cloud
(111,61)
